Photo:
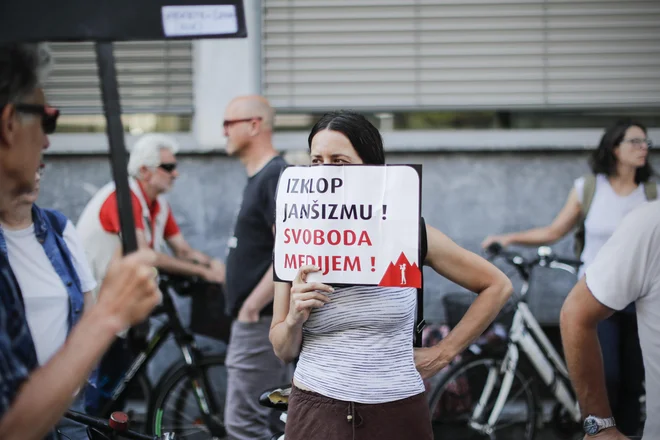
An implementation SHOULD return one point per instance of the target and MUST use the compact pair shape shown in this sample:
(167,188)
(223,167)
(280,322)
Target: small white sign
(358,223)
(189,21)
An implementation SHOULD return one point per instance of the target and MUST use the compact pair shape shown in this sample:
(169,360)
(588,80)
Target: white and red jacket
(99,228)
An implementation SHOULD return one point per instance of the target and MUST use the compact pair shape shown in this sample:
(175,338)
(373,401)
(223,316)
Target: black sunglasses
(48,114)
(169,167)
(227,122)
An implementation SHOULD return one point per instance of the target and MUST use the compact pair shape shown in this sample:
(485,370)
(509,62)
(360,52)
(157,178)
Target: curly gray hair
(23,68)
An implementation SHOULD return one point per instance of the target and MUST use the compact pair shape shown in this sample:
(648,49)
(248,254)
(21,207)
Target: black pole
(105,61)
(111,106)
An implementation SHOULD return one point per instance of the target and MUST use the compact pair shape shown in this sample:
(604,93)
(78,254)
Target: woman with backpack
(358,375)
(596,205)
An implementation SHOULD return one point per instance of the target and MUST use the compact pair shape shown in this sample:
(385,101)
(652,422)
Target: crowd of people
(67,294)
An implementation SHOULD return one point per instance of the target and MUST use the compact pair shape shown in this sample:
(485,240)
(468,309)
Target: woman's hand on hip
(429,362)
(306,296)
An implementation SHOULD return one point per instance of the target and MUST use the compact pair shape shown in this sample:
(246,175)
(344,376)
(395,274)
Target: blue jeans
(70,430)
(624,368)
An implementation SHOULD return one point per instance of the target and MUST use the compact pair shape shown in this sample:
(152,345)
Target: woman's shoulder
(580,182)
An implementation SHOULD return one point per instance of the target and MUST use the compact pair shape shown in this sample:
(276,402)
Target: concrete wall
(465,195)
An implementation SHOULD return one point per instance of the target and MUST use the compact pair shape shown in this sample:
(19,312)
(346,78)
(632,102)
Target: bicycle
(117,426)
(189,397)
(476,396)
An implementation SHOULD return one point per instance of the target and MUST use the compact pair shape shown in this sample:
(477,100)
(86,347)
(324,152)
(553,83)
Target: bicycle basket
(207,308)
(457,303)
(207,312)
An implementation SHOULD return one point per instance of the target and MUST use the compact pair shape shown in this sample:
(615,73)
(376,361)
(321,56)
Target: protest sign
(358,223)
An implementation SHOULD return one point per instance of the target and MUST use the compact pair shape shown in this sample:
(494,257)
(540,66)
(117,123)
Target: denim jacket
(49,228)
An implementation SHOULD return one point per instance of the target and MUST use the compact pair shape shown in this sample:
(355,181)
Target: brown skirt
(312,416)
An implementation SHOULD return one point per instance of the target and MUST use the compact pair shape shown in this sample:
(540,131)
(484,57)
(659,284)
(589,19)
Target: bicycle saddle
(277,398)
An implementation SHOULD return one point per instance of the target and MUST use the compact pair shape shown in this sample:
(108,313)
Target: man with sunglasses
(251,362)
(152,169)
(34,395)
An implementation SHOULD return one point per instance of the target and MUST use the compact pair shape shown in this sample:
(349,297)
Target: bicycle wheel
(457,394)
(176,407)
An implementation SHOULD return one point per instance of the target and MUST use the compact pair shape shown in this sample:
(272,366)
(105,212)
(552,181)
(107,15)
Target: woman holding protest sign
(358,375)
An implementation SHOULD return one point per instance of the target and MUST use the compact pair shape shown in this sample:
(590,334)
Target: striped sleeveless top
(359,346)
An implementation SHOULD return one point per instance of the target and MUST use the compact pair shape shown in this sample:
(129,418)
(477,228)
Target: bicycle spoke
(185,416)
(454,406)
(179,407)
(522,389)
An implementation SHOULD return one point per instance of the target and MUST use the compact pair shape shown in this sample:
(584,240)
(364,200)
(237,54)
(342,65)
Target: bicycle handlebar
(182,283)
(545,257)
(108,427)
(576,263)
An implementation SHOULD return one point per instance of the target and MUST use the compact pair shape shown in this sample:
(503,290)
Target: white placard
(358,223)
(182,21)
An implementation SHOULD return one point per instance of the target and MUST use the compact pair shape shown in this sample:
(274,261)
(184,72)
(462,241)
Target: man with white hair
(152,169)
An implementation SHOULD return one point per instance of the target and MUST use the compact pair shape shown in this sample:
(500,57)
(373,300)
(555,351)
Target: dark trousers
(312,416)
(624,368)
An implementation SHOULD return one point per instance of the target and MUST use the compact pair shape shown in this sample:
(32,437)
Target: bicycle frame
(526,335)
(186,343)
(137,366)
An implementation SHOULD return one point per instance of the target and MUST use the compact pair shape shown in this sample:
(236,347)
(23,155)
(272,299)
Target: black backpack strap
(423,250)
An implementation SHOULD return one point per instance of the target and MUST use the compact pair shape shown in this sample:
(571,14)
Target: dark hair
(603,160)
(364,137)
(21,69)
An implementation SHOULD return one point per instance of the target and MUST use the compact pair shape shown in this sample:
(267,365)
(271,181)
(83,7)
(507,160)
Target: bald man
(252,366)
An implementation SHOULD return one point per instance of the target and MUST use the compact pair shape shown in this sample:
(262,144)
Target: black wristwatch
(593,425)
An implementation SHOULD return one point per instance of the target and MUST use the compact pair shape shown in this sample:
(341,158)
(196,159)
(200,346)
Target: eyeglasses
(169,167)
(639,142)
(228,122)
(48,114)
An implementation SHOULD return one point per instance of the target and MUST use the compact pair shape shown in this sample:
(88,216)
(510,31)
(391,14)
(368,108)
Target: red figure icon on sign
(402,274)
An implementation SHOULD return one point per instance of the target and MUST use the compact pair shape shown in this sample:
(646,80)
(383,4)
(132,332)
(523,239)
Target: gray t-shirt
(627,269)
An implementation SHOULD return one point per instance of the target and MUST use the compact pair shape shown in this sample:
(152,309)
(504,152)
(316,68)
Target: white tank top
(606,212)
(359,346)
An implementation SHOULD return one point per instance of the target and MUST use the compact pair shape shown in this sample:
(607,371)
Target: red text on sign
(319,237)
(327,263)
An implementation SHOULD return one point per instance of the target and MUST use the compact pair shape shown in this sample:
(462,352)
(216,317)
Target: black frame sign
(105,21)
(120,20)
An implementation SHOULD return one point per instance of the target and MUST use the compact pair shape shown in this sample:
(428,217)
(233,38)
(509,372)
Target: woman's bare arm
(560,226)
(286,339)
(473,272)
